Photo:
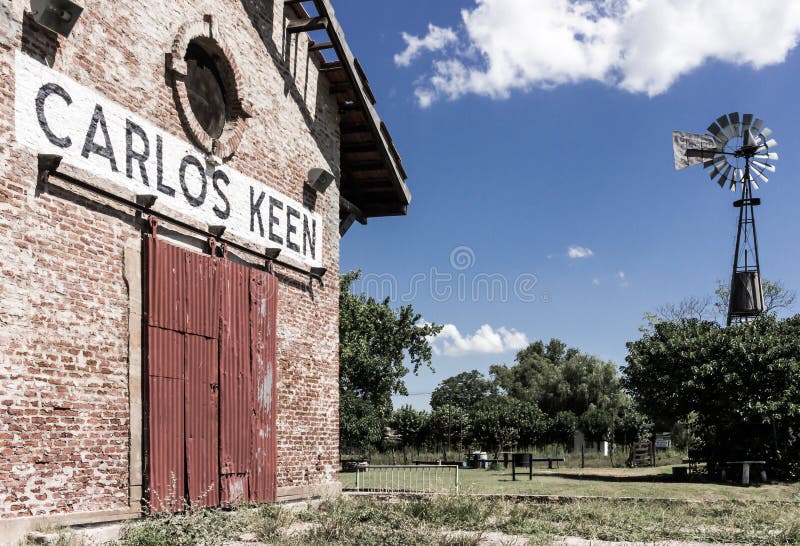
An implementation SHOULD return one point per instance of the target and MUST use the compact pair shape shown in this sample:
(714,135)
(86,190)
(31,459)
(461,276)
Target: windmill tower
(736,153)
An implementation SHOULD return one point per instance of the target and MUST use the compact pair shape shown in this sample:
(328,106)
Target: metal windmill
(736,152)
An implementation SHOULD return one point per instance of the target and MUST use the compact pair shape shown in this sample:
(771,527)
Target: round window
(205,88)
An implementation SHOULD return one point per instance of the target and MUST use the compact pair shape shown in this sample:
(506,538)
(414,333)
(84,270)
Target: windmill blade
(772,155)
(760,174)
(764,166)
(715,172)
(735,126)
(764,147)
(717,133)
(725,125)
(724,178)
(692,149)
(713,162)
(749,138)
(766,133)
(733,185)
(757,124)
(747,120)
(754,183)
(721,170)
(771,143)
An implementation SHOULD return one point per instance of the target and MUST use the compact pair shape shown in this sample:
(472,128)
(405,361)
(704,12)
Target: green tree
(462,390)
(448,428)
(375,343)
(411,425)
(572,388)
(500,421)
(738,387)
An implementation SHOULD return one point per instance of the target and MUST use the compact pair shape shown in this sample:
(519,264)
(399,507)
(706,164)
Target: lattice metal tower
(736,152)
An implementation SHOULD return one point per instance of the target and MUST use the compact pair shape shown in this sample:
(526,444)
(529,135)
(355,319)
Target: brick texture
(64,423)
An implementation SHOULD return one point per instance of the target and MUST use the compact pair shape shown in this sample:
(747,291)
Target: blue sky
(509,173)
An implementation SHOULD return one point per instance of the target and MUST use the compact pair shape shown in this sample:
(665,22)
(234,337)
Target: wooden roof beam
(330,67)
(341,87)
(320,46)
(350,128)
(366,165)
(359,147)
(307,25)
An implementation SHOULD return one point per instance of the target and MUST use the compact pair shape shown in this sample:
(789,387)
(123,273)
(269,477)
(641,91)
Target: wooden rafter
(307,25)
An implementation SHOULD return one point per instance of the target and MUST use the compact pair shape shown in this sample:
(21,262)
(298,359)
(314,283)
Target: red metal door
(263,451)
(211,378)
(202,420)
(166,319)
(166,406)
(235,382)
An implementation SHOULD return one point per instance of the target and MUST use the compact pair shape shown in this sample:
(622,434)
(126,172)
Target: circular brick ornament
(197,86)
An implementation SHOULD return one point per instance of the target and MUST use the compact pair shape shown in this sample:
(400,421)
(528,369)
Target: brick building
(170,251)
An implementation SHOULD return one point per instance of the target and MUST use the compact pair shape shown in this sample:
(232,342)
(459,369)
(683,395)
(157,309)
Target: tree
(503,421)
(448,428)
(565,384)
(462,390)
(738,387)
(693,307)
(410,425)
(375,341)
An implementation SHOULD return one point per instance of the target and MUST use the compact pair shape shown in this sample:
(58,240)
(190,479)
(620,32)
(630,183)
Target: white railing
(436,479)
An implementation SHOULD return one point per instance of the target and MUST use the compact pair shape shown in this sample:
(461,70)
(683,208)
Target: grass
(639,482)
(464,520)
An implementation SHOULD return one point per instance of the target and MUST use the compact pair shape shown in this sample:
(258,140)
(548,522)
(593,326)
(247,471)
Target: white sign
(56,115)
(663,443)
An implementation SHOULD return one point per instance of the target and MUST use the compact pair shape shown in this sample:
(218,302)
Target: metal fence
(439,479)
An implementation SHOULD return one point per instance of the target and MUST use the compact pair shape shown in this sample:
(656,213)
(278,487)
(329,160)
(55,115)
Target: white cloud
(436,39)
(485,340)
(622,278)
(641,46)
(579,252)
(595,282)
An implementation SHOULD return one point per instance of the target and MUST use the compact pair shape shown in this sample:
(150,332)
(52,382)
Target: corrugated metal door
(166,319)
(236,383)
(211,380)
(263,451)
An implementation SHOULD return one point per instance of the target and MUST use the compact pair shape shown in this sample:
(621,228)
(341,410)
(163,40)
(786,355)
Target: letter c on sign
(45,91)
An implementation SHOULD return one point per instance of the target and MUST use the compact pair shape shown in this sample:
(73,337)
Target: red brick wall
(64,423)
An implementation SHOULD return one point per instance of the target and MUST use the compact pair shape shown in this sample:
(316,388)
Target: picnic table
(527,460)
(746,470)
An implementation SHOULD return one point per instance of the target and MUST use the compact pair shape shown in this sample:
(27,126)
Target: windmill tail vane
(736,152)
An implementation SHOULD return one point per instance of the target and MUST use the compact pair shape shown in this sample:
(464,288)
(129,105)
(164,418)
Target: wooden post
(513,469)
(530,467)
(582,455)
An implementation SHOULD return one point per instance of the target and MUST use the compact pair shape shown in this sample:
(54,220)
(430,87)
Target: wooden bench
(746,470)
